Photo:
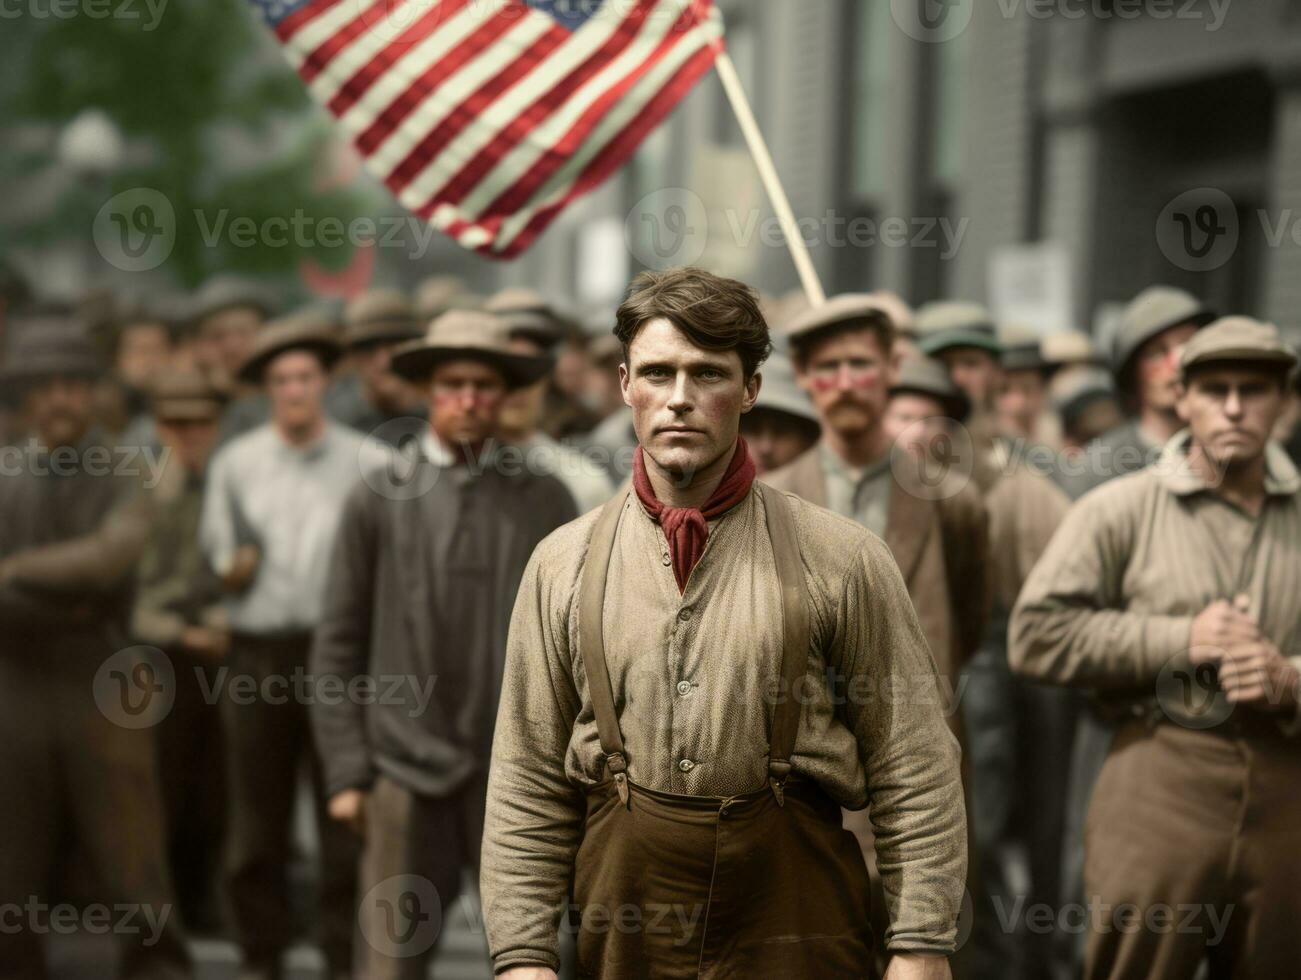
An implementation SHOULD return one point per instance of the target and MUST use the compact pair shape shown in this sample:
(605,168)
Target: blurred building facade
(1106,128)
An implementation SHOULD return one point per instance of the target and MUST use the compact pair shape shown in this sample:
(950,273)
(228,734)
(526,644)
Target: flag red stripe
(617,152)
(536,114)
(357,86)
(466,51)
(329,49)
(455,121)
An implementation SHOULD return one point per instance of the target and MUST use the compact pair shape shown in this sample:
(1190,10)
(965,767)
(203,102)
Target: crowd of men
(250,556)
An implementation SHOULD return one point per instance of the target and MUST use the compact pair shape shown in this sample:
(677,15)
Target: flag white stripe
(322,27)
(364,47)
(527,90)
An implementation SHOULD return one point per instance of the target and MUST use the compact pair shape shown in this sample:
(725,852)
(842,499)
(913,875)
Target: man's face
(229,335)
(382,387)
(59,409)
(465,399)
(775,438)
(976,372)
(1156,367)
(686,401)
(915,421)
(848,377)
(1022,395)
(1231,412)
(143,350)
(296,382)
(521,410)
(189,440)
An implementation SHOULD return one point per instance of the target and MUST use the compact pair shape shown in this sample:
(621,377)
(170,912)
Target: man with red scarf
(699,675)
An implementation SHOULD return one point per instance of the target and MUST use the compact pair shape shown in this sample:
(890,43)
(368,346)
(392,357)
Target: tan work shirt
(1112,601)
(860,494)
(692,676)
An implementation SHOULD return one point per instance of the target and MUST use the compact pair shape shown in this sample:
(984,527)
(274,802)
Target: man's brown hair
(714,312)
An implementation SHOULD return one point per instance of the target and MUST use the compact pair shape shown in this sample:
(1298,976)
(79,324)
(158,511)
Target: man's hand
(206,641)
(1258,675)
(243,568)
(349,807)
(916,966)
(1219,627)
(527,973)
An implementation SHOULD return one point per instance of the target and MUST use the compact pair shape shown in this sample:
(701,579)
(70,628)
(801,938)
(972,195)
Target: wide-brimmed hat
(847,308)
(439,294)
(1153,311)
(379,316)
(527,313)
(923,375)
(472,334)
(226,292)
(1022,349)
(948,324)
(44,345)
(780,393)
(1237,340)
(309,330)
(186,396)
(1069,347)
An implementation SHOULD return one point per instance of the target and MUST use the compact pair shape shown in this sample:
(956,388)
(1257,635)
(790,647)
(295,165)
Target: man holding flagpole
(668,749)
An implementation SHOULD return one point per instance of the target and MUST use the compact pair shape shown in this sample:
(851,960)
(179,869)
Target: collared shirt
(861,494)
(285,500)
(1110,605)
(689,672)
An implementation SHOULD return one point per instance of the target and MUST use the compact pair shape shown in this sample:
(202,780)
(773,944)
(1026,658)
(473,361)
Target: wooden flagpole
(768,174)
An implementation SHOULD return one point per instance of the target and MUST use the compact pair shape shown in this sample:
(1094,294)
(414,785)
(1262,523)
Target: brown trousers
(1200,832)
(267,745)
(76,786)
(416,848)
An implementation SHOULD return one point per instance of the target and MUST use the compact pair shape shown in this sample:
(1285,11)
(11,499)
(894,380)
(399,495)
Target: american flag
(487,117)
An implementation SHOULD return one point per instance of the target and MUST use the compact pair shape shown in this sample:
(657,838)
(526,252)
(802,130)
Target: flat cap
(225,292)
(186,395)
(1237,339)
(1153,311)
(780,392)
(1069,347)
(1022,349)
(947,324)
(379,316)
(845,308)
(926,376)
(310,330)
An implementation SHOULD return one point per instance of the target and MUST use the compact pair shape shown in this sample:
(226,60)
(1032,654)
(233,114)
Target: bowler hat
(1153,311)
(462,334)
(1239,340)
(308,330)
(923,375)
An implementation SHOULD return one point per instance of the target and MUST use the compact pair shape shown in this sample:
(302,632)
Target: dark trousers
(1193,854)
(75,780)
(416,848)
(267,743)
(191,765)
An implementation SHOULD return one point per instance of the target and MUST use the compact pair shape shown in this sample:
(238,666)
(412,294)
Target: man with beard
(422,581)
(76,756)
(667,742)
(1174,595)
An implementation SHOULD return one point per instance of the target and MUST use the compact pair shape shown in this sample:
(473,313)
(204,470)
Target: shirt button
(684,614)
(686,765)
(684,688)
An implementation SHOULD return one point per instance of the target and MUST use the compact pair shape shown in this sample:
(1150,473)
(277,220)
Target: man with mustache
(1174,596)
(667,740)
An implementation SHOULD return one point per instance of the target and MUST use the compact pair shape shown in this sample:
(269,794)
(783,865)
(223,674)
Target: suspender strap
(591,613)
(795,637)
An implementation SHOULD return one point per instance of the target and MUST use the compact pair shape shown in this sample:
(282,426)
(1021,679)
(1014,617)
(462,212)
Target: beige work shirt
(692,676)
(861,494)
(1111,603)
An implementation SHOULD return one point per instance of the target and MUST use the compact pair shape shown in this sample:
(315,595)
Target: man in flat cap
(653,758)
(1174,595)
(1021,399)
(531,413)
(76,760)
(371,396)
(270,511)
(783,424)
(178,611)
(422,581)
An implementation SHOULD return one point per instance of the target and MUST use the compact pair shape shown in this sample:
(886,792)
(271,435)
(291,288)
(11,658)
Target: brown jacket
(941,548)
